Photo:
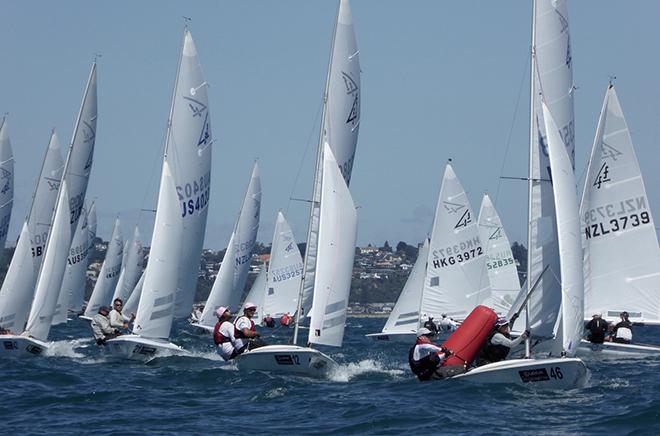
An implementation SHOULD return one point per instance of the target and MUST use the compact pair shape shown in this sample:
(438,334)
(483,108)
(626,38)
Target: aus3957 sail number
(194,196)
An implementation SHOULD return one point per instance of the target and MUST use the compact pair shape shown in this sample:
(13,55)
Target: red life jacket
(218,337)
(239,333)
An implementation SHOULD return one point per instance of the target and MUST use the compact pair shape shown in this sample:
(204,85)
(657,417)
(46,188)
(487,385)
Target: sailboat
(131,303)
(68,208)
(616,218)
(275,290)
(75,275)
(230,281)
(326,272)
(500,264)
(403,322)
(17,289)
(108,275)
(131,268)
(554,309)
(6,183)
(180,214)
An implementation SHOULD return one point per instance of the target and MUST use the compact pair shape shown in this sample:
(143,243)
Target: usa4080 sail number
(194,196)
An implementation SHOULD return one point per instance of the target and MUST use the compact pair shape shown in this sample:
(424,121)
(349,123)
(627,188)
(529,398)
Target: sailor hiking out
(499,343)
(425,358)
(597,328)
(247,337)
(223,334)
(101,327)
(622,332)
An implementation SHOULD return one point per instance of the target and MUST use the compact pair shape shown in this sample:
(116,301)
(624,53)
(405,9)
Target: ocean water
(78,390)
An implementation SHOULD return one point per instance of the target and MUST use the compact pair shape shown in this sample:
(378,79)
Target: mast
(530,173)
(317,179)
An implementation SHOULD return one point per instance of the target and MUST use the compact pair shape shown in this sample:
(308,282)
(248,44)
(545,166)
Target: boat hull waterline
(21,346)
(135,347)
(287,359)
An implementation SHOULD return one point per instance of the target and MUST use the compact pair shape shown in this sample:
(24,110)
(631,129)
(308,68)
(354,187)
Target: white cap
(423,332)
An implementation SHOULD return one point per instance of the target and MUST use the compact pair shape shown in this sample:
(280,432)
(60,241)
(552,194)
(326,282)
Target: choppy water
(78,390)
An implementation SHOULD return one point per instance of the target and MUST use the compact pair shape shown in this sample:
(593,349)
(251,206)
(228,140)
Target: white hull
(405,337)
(86,318)
(21,346)
(134,347)
(615,349)
(555,373)
(202,327)
(287,359)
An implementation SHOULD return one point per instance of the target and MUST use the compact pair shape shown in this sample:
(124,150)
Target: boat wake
(346,372)
(67,348)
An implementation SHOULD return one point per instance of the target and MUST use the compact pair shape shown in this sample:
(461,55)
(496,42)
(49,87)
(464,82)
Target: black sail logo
(352,89)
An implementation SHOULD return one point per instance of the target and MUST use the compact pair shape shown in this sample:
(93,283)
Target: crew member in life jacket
(597,328)
(425,358)
(247,337)
(268,321)
(285,320)
(447,324)
(499,343)
(622,332)
(429,324)
(223,334)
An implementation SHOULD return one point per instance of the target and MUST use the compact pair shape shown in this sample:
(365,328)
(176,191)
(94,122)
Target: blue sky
(440,79)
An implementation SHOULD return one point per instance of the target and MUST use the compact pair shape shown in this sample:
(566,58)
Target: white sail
(188,149)
(91,225)
(230,282)
(339,128)
(6,183)
(131,268)
(18,287)
(156,308)
(405,315)
(257,294)
(456,260)
(75,275)
(109,273)
(617,222)
(568,231)
(552,76)
(284,272)
(131,304)
(70,201)
(336,251)
(501,266)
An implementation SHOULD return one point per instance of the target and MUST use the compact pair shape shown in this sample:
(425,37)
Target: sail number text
(611,218)
(461,252)
(194,196)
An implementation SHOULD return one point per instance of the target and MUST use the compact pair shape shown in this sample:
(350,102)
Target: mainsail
(188,150)
(340,124)
(617,222)
(109,273)
(6,183)
(336,251)
(257,294)
(230,282)
(284,271)
(501,266)
(69,206)
(18,288)
(131,268)
(456,260)
(552,77)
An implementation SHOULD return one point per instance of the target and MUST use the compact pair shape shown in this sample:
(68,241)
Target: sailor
(268,321)
(425,358)
(429,324)
(101,327)
(223,334)
(597,328)
(285,320)
(117,319)
(623,330)
(499,343)
(447,324)
(246,332)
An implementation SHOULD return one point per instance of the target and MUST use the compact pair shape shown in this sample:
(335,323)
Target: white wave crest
(67,348)
(344,373)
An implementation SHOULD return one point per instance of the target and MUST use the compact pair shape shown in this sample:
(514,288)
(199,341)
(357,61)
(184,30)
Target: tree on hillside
(386,247)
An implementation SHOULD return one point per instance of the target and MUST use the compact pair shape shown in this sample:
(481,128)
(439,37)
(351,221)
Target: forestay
(18,287)
(552,77)
(621,254)
(156,308)
(230,282)
(69,206)
(188,153)
(456,260)
(336,250)
(405,315)
(340,124)
(568,232)
(131,268)
(500,264)
(109,274)
(284,272)
(6,183)
(75,274)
